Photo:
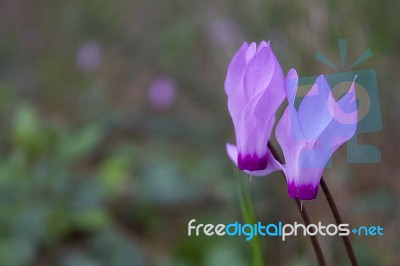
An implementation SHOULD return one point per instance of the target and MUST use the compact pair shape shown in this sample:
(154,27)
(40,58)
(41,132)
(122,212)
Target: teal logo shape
(369,114)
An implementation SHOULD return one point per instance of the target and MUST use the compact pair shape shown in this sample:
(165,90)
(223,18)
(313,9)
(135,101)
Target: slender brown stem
(304,215)
(314,240)
(338,219)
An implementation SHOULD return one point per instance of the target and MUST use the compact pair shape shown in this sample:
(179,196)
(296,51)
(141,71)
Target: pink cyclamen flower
(308,137)
(254,85)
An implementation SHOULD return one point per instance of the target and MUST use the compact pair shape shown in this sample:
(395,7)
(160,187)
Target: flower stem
(304,215)
(247,209)
(314,240)
(338,219)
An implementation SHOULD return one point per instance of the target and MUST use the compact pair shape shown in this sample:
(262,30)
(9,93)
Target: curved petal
(346,108)
(290,137)
(258,72)
(251,51)
(234,84)
(273,95)
(291,82)
(231,150)
(342,127)
(289,128)
(262,45)
(316,109)
(234,73)
(291,140)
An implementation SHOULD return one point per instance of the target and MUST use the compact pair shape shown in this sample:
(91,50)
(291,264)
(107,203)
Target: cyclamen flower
(254,85)
(308,137)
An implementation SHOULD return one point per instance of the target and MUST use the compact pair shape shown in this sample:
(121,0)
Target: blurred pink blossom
(162,93)
(89,56)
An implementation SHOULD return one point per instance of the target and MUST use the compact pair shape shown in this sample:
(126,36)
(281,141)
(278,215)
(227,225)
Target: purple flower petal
(341,128)
(291,82)
(258,73)
(272,96)
(234,74)
(251,51)
(234,84)
(316,109)
(288,131)
(262,45)
(290,139)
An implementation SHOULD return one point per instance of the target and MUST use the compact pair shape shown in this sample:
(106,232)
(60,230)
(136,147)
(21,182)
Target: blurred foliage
(94,173)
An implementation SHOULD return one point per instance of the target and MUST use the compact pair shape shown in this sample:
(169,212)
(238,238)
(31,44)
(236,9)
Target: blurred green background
(114,124)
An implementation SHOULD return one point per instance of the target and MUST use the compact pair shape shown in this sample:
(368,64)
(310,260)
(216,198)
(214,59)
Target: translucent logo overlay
(366,86)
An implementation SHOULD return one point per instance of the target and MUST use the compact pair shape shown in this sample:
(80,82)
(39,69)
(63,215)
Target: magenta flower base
(303,192)
(252,162)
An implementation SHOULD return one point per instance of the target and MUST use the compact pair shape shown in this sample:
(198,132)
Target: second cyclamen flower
(310,135)
(255,88)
